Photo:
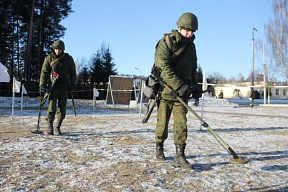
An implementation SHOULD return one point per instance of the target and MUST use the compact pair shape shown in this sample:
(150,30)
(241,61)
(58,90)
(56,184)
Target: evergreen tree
(9,31)
(27,30)
(102,65)
(108,64)
(80,65)
(84,75)
(200,76)
(97,69)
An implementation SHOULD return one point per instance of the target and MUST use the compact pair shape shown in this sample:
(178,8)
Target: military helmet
(58,45)
(188,21)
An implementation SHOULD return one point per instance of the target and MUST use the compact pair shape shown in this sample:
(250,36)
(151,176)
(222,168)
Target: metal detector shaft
(37,131)
(43,101)
(74,109)
(235,156)
(39,115)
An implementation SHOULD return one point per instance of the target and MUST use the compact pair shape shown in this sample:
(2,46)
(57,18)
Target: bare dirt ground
(111,150)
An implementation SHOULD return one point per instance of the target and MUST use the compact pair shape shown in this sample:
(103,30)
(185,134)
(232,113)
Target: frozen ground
(111,150)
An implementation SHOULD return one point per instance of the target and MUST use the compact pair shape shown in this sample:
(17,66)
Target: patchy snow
(111,150)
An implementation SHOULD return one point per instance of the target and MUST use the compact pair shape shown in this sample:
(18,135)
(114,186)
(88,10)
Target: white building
(243,91)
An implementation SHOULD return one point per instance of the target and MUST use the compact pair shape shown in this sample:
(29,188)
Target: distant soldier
(63,65)
(220,96)
(252,96)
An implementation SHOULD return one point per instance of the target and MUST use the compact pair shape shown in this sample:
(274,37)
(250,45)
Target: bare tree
(81,63)
(258,76)
(277,31)
(216,78)
(240,78)
(232,80)
(236,79)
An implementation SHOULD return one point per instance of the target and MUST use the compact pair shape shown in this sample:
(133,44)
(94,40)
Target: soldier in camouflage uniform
(252,96)
(62,64)
(181,74)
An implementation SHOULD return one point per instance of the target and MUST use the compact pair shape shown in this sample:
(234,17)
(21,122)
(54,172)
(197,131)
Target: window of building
(277,91)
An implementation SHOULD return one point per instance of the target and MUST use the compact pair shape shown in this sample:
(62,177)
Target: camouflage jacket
(64,66)
(181,69)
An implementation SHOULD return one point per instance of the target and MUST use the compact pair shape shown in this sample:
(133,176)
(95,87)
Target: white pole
(22,95)
(141,97)
(252,75)
(204,87)
(13,95)
(94,99)
(135,93)
(140,85)
(264,66)
(264,71)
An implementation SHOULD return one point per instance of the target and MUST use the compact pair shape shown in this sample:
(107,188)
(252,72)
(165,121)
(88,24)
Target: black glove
(196,94)
(184,90)
(43,90)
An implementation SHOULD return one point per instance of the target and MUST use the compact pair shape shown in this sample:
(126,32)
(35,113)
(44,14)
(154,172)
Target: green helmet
(58,45)
(188,21)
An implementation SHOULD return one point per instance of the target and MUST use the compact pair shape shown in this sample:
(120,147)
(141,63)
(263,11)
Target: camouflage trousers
(61,109)
(252,102)
(165,109)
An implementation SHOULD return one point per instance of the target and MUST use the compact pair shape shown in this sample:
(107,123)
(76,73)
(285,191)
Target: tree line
(100,67)
(218,78)
(28,29)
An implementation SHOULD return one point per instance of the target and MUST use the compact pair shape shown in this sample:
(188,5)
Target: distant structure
(242,91)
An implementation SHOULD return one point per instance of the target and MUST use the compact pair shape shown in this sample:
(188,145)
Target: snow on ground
(109,149)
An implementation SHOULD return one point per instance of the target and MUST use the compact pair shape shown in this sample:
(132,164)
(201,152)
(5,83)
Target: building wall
(243,92)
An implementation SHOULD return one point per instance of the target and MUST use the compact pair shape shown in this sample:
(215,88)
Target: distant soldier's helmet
(58,45)
(188,21)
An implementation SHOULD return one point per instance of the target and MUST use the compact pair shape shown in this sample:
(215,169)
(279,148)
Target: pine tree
(108,64)
(27,40)
(97,70)
(102,65)
(84,75)
(200,76)
(9,31)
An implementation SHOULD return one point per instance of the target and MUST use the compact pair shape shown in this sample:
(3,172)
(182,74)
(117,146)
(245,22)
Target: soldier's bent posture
(180,73)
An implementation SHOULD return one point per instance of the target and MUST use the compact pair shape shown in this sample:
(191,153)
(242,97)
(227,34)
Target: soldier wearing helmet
(59,45)
(180,73)
(59,68)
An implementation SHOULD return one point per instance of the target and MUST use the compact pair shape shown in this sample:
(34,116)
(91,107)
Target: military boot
(57,130)
(180,159)
(50,128)
(159,151)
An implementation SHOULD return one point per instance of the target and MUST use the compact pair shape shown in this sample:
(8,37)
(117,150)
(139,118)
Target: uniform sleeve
(72,69)
(45,72)
(194,79)
(163,61)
